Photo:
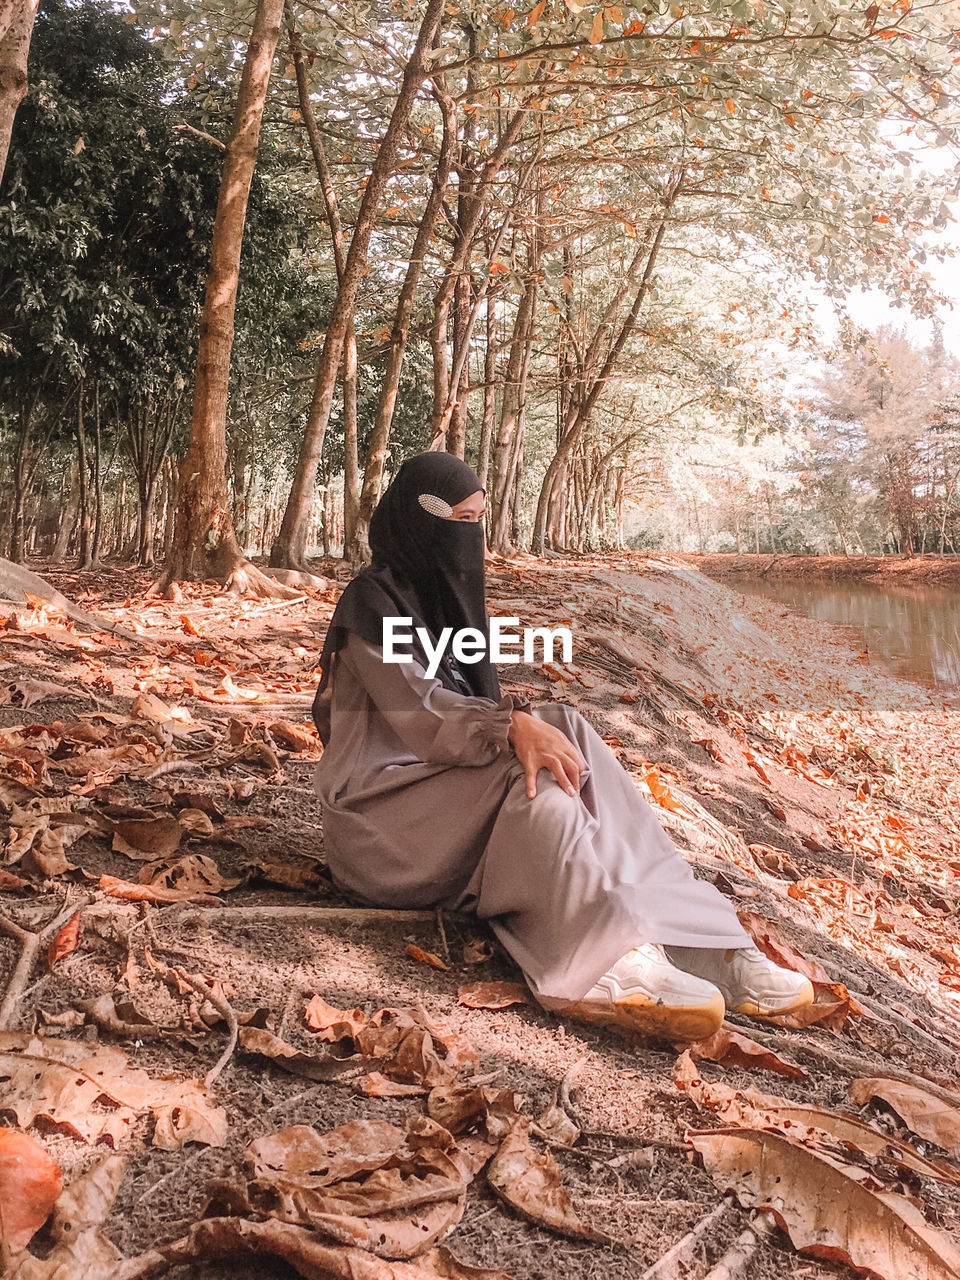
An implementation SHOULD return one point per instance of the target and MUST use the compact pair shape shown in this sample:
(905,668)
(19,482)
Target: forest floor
(882,570)
(159,802)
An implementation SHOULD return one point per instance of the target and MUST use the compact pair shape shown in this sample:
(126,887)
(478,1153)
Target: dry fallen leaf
(464,1107)
(29,1185)
(66,940)
(92,1092)
(493,995)
(115,888)
(313,1257)
(147,838)
(554,1125)
(370,1184)
(532,1184)
(295,737)
(928,1117)
(825,1206)
(425,957)
(81,1251)
(333,1024)
(750,1109)
(733,1046)
(324,1066)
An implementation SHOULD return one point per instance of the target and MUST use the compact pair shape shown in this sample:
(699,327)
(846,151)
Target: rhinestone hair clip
(435,506)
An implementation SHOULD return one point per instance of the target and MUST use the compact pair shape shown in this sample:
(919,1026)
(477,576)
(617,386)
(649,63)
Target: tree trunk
(504,452)
(387,401)
(582,406)
(68,519)
(290,546)
(204,541)
(352,550)
(489,392)
(97,483)
(16,29)
(86,557)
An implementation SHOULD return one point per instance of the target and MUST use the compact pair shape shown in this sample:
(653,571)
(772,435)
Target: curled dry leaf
(425,957)
(736,1048)
(368,1183)
(67,1083)
(414,1048)
(832,1006)
(929,1117)
(311,1256)
(303,876)
(531,1182)
(295,737)
(115,888)
(555,1126)
(66,940)
(310,1066)
(464,1107)
(29,1185)
(477,951)
(493,995)
(376,1085)
(826,1207)
(751,1109)
(333,1024)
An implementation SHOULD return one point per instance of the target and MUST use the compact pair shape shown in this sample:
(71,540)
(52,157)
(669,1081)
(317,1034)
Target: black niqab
(425,567)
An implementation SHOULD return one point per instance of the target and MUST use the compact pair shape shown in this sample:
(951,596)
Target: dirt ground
(821,793)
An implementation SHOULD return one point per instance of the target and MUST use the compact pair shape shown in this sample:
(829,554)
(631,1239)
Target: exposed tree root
(736,1262)
(30,944)
(247,580)
(676,1261)
(311,915)
(299,578)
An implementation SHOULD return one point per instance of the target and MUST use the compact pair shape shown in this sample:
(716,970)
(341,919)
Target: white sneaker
(645,992)
(750,983)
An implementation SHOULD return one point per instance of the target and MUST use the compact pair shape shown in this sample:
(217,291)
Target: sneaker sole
(663,1021)
(773,1009)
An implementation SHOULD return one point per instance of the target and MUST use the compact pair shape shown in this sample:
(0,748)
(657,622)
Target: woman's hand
(542,746)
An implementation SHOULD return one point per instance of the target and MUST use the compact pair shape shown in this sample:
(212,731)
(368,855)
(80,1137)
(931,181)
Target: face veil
(425,567)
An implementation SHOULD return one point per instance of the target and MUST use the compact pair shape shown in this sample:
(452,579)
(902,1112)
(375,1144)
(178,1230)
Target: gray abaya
(424,802)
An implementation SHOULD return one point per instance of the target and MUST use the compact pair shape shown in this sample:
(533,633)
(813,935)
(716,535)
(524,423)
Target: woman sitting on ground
(442,792)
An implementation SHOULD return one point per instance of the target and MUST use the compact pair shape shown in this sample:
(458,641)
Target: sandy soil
(718,687)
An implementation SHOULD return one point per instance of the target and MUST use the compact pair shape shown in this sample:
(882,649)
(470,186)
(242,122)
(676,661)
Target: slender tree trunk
(16,29)
(97,482)
(489,391)
(511,399)
(352,550)
(290,545)
(68,519)
(204,541)
(389,388)
(582,407)
(86,556)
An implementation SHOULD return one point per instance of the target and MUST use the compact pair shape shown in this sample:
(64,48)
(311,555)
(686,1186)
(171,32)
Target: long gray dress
(424,802)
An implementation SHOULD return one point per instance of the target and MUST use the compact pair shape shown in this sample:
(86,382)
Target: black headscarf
(425,567)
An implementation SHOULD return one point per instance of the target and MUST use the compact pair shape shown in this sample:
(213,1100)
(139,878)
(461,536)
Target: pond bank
(930,570)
